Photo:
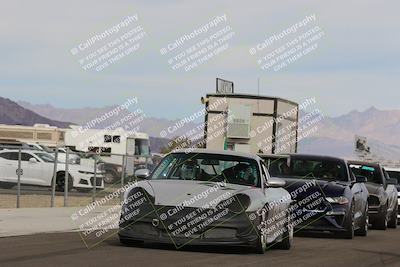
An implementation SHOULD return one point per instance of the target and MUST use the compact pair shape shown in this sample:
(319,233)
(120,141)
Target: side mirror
(361,179)
(275,182)
(142,174)
(33,160)
(392,181)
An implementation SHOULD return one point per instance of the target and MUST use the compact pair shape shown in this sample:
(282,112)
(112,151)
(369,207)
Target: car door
(48,171)
(46,165)
(32,170)
(274,196)
(357,190)
(391,192)
(8,167)
(12,167)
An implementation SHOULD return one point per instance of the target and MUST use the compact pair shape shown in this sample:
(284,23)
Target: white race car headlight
(338,200)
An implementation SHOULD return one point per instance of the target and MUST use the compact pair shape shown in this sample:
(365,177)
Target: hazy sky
(355,66)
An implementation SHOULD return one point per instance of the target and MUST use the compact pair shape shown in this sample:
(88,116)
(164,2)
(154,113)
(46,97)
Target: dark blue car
(328,196)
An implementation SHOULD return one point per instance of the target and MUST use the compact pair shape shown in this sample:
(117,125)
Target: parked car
(15,144)
(383,194)
(394,173)
(37,168)
(113,172)
(73,158)
(187,193)
(343,204)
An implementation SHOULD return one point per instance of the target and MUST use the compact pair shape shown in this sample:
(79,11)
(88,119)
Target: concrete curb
(27,221)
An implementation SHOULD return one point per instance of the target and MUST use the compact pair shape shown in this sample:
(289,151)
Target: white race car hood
(75,168)
(190,193)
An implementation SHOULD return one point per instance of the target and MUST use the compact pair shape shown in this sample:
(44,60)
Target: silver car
(207,197)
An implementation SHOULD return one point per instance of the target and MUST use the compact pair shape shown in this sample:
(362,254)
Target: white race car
(37,169)
(208,197)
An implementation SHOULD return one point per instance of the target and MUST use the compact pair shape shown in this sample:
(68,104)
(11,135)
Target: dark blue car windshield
(328,170)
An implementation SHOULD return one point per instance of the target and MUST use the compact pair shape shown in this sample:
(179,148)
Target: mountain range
(82,116)
(12,113)
(150,125)
(335,135)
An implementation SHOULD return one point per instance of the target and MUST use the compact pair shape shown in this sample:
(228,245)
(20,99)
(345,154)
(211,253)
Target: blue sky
(355,66)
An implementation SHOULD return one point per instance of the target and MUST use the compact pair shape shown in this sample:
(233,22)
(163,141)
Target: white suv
(38,167)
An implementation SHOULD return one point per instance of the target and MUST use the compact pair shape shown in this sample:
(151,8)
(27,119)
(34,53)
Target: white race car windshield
(208,167)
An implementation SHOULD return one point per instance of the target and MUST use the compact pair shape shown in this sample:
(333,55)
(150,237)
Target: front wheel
(287,237)
(261,242)
(381,222)
(60,183)
(130,242)
(6,185)
(110,177)
(363,231)
(393,219)
(349,224)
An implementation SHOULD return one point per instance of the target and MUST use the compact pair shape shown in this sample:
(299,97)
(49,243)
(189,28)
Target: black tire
(381,222)
(393,219)
(349,224)
(7,185)
(363,230)
(110,177)
(261,242)
(130,242)
(287,238)
(60,184)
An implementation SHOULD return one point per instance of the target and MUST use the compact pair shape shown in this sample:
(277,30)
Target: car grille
(142,228)
(98,181)
(373,201)
(221,233)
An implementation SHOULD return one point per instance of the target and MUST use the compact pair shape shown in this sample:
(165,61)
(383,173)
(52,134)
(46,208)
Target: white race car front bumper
(86,180)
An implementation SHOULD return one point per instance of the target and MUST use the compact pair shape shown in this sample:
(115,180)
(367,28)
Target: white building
(250,123)
(39,133)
